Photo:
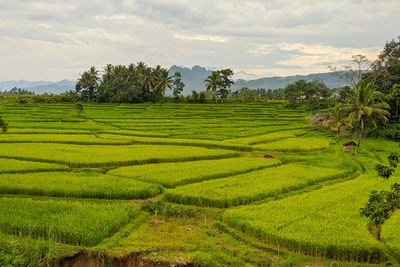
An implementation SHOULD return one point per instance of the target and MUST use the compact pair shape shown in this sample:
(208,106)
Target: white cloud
(210,38)
(265,49)
(322,54)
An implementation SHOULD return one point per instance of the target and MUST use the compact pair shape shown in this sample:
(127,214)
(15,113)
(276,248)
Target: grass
(296,144)
(77,185)
(249,187)
(182,142)
(264,138)
(322,223)
(79,139)
(390,234)
(175,174)
(107,155)
(19,166)
(307,200)
(75,223)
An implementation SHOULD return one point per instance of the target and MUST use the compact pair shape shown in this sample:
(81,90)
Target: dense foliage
(16,91)
(218,83)
(381,204)
(129,84)
(314,94)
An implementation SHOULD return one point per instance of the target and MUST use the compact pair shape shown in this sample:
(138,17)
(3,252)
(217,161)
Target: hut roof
(351,143)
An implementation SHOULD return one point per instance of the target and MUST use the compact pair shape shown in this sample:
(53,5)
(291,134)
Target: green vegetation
(390,233)
(3,125)
(324,222)
(79,139)
(249,187)
(106,155)
(68,222)
(79,185)
(295,144)
(218,83)
(19,166)
(240,184)
(174,174)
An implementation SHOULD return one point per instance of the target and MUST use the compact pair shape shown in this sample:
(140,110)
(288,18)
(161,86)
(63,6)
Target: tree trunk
(338,134)
(397,107)
(361,131)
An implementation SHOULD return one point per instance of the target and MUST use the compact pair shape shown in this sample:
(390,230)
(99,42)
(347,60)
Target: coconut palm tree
(147,82)
(213,82)
(362,107)
(88,83)
(163,82)
(337,120)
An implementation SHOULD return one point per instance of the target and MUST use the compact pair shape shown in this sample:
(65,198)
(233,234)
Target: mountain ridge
(331,79)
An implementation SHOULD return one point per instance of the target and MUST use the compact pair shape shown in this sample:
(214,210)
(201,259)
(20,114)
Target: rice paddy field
(234,184)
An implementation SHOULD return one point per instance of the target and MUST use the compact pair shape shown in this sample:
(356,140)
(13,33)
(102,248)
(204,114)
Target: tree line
(16,91)
(129,84)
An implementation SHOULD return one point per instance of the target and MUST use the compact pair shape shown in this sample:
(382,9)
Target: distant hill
(40,87)
(194,79)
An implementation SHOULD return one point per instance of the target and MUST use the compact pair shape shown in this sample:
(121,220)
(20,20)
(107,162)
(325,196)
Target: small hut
(349,146)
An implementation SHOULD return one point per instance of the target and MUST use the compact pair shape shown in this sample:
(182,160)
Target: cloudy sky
(53,40)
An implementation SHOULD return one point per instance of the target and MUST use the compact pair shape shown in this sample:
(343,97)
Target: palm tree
(363,108)
(163,82)
(147,82)
(338,120)
(213,82)
(88,83)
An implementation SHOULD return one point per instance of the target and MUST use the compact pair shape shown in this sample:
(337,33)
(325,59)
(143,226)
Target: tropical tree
(395,96)
(212,84)
(338,119)
(178,85)
(88,83)
(315,94)
(164,81)
(219,82)
(147,83)
(226,82)
(362,107)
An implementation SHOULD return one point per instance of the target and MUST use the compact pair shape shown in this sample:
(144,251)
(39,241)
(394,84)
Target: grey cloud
(76,34)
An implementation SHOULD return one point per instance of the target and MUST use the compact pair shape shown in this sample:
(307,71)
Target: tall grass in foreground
(391,234)
(24,251)
(322,223)
(76,223)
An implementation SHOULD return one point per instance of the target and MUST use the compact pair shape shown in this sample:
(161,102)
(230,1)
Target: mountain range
(40,87)
(193,78)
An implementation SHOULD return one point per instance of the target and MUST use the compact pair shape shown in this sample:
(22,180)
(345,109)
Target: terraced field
(211,185)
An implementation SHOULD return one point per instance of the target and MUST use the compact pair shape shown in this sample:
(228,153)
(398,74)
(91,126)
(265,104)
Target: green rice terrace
(233,184)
